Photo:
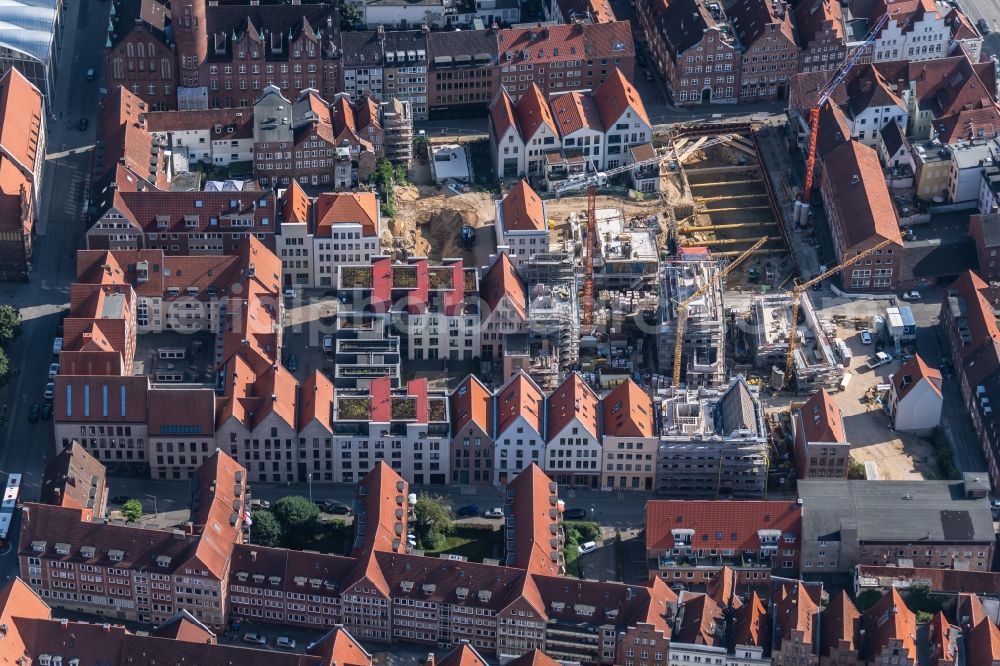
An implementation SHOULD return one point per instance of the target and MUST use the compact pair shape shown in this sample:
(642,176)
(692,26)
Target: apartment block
(629,443)
(821,446)
(520,427)
(713,443)
(573,450)
(521,223)
(770,51)
(472,447)
(214,137)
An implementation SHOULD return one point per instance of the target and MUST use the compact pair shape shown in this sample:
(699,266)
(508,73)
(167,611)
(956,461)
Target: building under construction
(626,255)
(712,443)
(766,335)
(704,335)
(554,329)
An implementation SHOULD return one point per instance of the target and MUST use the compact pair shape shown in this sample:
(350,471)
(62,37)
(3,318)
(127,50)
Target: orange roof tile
(860,194)
(295,204)
(821,419)
(615,96)
(334,208)
(890,619)
(502,114)
(533,112)
(533,501)
(523,209)
(383,494)
(628,411)
(575,111)
(73,478)
(501,280)
(340,648)
(795,610)
(911,373)
(520,396)
(573,399)
(20,119)
(728,524)
(751,622)
(533,658)
(463,655)
(472,402)
(982,645)
(315,400)
(840,622)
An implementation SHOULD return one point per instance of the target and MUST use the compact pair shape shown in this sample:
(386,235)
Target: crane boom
(838,77)
(588,260)
(797,293)
(682,307)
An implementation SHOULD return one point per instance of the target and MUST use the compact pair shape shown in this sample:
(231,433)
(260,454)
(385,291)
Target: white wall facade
(346,246)
(515,448)
(522,245)
(919,410)
(573,451)
(406,447)
(504,320)
(628,130)
(295,249)
(435,335)
(543,141)
(866,125)
(926,39)
(508,153)
(590,143)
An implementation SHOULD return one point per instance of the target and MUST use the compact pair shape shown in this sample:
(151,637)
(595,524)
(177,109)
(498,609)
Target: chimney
(253,555)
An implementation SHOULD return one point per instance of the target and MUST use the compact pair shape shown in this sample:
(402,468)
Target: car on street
(334,507)
(327,343)
(575,514)
(84,124)
(878,360)
(911,296)
(50,391)
(293,363)
(257,505)
(53,370)
(91,74)
(467,511)
(984,27)
(119,499)
(588,547)
(648,75)
(256,639)
(57,346)
(866,337)
(33,412)
(285,642)
(47,411)
(496,512)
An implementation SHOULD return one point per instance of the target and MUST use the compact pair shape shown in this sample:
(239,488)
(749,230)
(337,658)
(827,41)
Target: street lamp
(155,511)
(310,476)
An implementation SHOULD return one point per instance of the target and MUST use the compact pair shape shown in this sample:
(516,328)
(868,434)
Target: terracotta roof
(532,112)
(970,289)
(870,89)
(969,610)
(860,194)
(941,644)
(191,212)
(615,96)
(17,599)
(295,204)
(821,419)
(722,588)
(334,208)
(961,25)
(383,494)
(815,16)
(184,627)
(982,644)
(573,399)
(910,374)
(315,400)
(520,396)
(574,111)
(339,648)
(890,619)
(628,411)
(840,622)
(74,479)
(523,210)
(95,399)
(533,658)
(729,524)
(502,279)
(946,85)
(230,123)
(16,213)
(751,622)
(795,610)
(217,511)
(20,120)
(189,410)
(834,130)
(699,622)
(502,114)
(472,401)
(533,501)
(541,45)
(684,24)
(969,124)
(755,18)
(949,581)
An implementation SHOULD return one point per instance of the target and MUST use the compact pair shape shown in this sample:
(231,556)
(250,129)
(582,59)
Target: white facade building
(573,451)
(520,422)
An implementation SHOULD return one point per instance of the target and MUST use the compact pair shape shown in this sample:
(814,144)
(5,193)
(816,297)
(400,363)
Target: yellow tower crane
(682,307)
(796,293)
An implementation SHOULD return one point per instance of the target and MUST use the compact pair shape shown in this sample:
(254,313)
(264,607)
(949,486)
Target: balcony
(740,560)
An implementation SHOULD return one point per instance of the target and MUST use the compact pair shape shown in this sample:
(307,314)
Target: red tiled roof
(166,212)
(533,658)
(751,622)
(890,619)
(869,88)
(502,279)
(315,400)
(463,655)
(755,18)
(961,25)
(220,486)
(523,209)
(860,194)
(729,524)
(520,396)
(17,599)
(840,622)
(295,204)
(979,317)
(339,648)
(230,123)
(576,41)
(383,494)
(95,399)
(573,399)
(910,374)
(969,124)
(628,411)
(821,419)
(941,644)
(615,96)
(946,85)
(982,644)
(502,114)
(534,503)
(472,401)
(815,16)
(184,627)
(334,208)
(20,119)
(701,617)
(75,479)
(574,111)
(795,610)
(532,112)
(970,611)
(190,407)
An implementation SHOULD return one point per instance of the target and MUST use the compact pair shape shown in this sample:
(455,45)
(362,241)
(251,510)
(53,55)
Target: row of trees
(10,328)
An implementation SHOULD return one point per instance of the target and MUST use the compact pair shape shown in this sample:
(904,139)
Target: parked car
(119,499)
(293,363)
(327,343)
(575,514)
(467,511)
(879,359)
(285,642)
(57,346)
(91,74)
(46,411)
(257,505)
(588,547)
(50,391)
(33,412)
(911,296)
(866,337)
(84,124)
(256,639)
(289,293)
(494,513)
(53,370)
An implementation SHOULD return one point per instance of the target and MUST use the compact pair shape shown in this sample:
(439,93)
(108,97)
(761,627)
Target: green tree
(4,367)
(384,178)
(132,510)
(10,323)
(265,530)
(433,521)
(350,16)
(299,520)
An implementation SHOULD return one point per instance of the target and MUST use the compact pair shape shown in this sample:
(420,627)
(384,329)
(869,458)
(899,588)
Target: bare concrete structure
(704,334)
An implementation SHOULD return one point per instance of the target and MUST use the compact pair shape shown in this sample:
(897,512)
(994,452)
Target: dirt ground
(429,222)
(899,456)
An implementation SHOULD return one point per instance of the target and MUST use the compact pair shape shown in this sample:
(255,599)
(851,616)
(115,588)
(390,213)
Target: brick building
(471,432)
(770,51)
(821,446)
(462,72)
(820,29)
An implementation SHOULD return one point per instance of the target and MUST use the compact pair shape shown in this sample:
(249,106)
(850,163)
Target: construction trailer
(766,332)
(704,333)
(713,443)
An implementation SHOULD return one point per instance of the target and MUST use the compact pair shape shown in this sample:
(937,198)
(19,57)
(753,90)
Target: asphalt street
(59,229)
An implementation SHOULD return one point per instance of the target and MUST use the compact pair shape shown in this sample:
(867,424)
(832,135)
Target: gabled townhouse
(521,223)
(964,34)
(820,28)
(915,398)
(538,131)
(408,428)
(916,31)
(472,417)
(138,44)
(573,446)
(689,540)
(795,614)
(506,143)
(348,225)
(22,153)
(505,310)
(861,214)
(534,538)
(580,127)
(315,428)
(75,479)
(821,446)
(520,427)
(890,631)
(894,149)
(294,242)
(215,137)
(624,117)
(628,439)
(943,641)
(982,644)
(770,50)
(695,50)
(872,105)
(944,86)
(362,62)
(840,632)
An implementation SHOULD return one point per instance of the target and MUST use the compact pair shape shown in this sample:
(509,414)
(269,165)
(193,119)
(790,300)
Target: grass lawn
(476,545)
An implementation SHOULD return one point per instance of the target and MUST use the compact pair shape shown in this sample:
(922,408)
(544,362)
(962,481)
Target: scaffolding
(554,330)
(704,334)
